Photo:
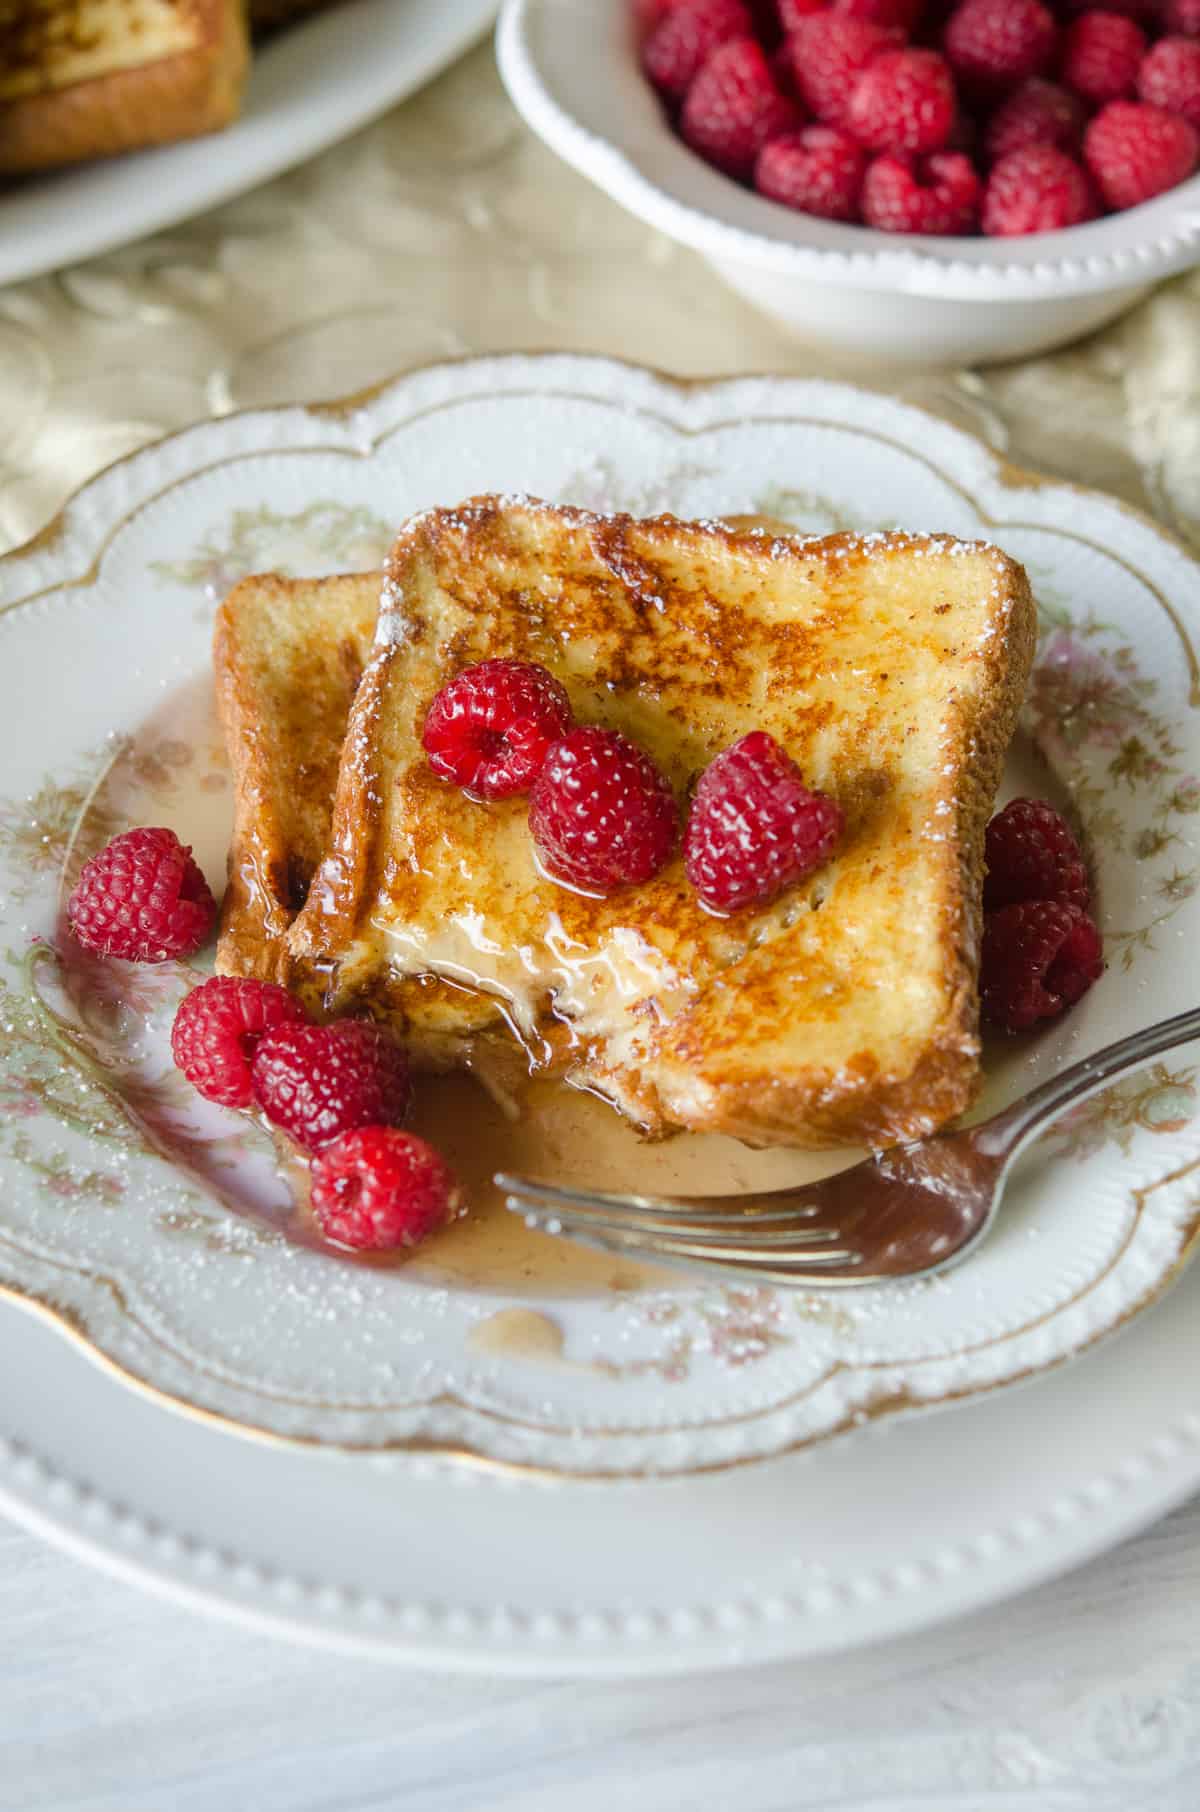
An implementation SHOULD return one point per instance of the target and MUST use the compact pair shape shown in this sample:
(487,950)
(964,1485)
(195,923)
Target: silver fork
(905,1212)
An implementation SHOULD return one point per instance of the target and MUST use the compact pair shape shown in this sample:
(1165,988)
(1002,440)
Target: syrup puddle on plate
(174,771)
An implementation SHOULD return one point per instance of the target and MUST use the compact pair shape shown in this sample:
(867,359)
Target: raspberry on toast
(890,667)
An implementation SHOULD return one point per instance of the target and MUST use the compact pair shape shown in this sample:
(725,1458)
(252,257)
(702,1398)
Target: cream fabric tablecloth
(447,229)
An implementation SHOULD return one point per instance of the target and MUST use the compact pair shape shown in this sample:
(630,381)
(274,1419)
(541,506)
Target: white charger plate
(197,1294)
(309,86)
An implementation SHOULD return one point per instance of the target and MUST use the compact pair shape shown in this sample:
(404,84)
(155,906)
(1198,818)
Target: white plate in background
(310,85)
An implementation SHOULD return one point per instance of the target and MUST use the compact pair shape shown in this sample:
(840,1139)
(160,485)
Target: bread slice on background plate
(88,78)
(891,667)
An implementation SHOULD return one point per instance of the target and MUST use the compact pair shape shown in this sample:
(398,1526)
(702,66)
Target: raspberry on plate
(1038,959)
(993,44)
(1135,152)
(1170,77)
(791,12)
(935,194)
(754,827)
(1037,190)
(1031,854)
(904,101)
(829,54)
(217,1029)
(734,107)
(375,1189)
(692,29)
(649,13)
(784,76)
(488,730)
(316,1082)
(1036,113)
(818,170)
(143,898)
(1101,54)
(601,814)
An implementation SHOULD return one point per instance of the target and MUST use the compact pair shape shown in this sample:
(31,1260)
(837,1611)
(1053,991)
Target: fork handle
(1009,1131)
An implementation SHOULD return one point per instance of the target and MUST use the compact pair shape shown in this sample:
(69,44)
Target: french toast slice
(890,666)
(287,657)
(89,78)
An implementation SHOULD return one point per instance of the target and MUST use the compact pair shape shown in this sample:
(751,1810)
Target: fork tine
(703,1230)
(830,1265)
(553,1195)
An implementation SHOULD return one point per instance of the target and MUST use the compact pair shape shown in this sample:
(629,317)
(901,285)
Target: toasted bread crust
(181,95)
(287,658)
(720,1059)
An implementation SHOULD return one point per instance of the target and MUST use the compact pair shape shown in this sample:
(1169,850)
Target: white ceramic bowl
(571,69)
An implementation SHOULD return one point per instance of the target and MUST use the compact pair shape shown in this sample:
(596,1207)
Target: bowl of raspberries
(921,181)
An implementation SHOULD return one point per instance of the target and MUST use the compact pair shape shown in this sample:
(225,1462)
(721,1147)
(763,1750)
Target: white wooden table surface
(1081,1697)
(445,228)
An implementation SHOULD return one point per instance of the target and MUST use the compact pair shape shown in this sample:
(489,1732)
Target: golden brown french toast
(87,78)
(889,666)
(287,657)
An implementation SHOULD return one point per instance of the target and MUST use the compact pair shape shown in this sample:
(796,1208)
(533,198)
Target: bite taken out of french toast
(888,668)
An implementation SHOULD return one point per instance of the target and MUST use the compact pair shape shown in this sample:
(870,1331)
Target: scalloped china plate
(309,86)
(163,1240)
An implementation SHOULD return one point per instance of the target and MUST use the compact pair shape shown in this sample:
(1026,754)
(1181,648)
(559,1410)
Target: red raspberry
(488,729)
(1036,113)
(829,53)
(1032,854)
(600,812)
(376,1188)
(649,13)
(818,170)
(1037,190)
(142,898)
(1170,77)
(1038,959)
(319,1081)
(784,76)
(1100,56)
(754,827)
(733,107)
(906,14)
(1134,152)
(994,44)
(217,1029)
(1182,17)
(791,12)
(937,194)
(677,47)
(904,101)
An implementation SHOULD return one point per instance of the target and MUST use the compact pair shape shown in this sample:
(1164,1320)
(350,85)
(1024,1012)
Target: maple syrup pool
(174,771)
